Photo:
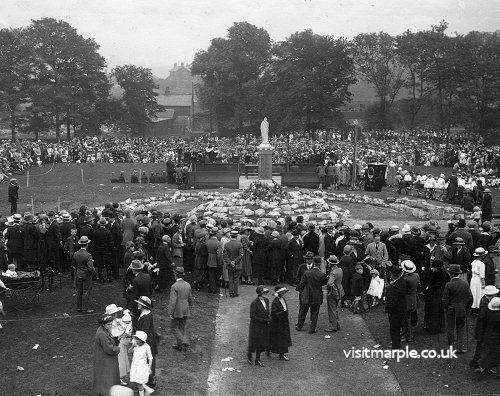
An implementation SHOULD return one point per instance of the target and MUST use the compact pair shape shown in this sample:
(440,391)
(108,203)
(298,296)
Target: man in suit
(304,266)
(395,305)
(457,300)
(117,235)
(140,285)
(311,290)
(311,240)
(294,256)
(486,206)
(102,250)
(15,242)
(461,232)
(164,261)
(181,299)
(335,292)
(412,280)
(13,195)
(232,256)
(84,265)
(134,178)
(329,241)
(54,243)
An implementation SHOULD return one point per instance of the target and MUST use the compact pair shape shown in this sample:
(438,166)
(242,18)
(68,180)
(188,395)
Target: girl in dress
(141,363)
(376,287)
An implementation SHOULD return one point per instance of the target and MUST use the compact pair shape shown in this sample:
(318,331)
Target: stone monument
(265,153)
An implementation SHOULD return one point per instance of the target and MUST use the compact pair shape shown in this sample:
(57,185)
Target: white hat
(112,309)
(406,228)
(408,266)
(480,252)
(141,335)
(357,227)
(490,290)
(494,304)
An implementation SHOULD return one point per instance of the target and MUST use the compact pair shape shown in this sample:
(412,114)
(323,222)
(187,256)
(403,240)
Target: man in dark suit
(232,256)
(461,232)
(329,241)
(304,266)
(102,251)
(457,300)
(134,178)
(54,243)
(311,289)
(181,300)
(395,306)
(412,280)
(83,263)
(486,206)
(311,240)
(294,256)
(335,292)
(13,195)
(117,235)
(15,242)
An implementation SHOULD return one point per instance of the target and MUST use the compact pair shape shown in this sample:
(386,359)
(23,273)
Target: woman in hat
(246,262)
(259,256)
(106,350)
(434,310)
(477,280)
(490,357)
(145,323)
(280,338)
(260,320)
(142,360)
(276,258)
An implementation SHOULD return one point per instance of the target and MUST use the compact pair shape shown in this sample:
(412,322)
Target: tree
(15,73)
(378,64)
(308,80)
(69,74)
(230,69)
(138,102)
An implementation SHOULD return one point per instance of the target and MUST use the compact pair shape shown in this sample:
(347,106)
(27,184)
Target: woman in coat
(276,257)
(106,350)
(434,311)
(259,256)
(260,320)
(246,263)
(280,338)
(200,262)
(490,357)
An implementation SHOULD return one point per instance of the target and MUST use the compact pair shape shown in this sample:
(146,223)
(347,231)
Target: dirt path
(317,365)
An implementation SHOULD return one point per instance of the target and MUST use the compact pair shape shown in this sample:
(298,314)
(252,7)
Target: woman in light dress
(477,281)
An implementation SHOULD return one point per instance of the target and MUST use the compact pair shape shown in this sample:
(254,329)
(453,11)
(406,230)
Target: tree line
(52,78)
(425,78)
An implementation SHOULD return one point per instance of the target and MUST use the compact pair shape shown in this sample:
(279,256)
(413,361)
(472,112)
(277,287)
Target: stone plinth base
(265,162)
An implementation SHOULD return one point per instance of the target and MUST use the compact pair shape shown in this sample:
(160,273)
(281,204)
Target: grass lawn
(63,363)
(432,376)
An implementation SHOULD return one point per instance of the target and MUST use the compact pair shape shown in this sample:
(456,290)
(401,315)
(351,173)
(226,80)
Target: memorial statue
(264,131)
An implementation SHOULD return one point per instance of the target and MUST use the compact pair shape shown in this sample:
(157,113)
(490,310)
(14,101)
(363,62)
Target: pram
(24,290)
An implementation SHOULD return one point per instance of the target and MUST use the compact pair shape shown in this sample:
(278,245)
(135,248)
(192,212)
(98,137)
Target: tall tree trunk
(13,122)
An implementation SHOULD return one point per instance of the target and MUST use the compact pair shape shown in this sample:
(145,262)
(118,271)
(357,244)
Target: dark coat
(486,205)
(164,257)
(457,297)
(481,319)
(330,247)
(491,354)
(280,328)
(260,320)
(489,271)
(311,287)
(15,239)
(106,371)
(233,253)
(276,257)
(347,264)
(395,299)
(357,285)
(13,193)
(141,286)
(413,288)
(30,242)
(65,229)
(415,248)
(145,323)
(259,256)
(311,243)
(434,311)
(461,258)
(294,257)
(300,271)
(102,242)
(53,242)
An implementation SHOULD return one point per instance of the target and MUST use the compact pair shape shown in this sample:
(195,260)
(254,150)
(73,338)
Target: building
(179,81)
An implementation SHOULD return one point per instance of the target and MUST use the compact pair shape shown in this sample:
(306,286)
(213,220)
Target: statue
(264,130)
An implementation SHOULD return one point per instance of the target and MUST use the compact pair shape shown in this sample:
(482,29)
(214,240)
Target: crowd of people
(404,148)
(453,272)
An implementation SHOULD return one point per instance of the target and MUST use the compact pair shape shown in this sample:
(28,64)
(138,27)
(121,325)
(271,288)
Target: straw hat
(141,335)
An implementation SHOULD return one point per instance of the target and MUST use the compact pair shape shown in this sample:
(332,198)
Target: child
(376,287)
(141,363)
(11,271)
(476,214)
(357,288)
(125,341)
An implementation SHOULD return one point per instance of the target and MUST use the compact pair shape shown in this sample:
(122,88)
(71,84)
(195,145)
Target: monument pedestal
(265,162)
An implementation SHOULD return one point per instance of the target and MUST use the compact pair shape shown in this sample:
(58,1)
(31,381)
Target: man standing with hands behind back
(13,195)
(181,300)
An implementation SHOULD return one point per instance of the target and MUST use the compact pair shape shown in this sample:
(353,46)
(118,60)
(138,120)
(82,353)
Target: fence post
(27,178)
(82,175)
(140,176)
(32,206)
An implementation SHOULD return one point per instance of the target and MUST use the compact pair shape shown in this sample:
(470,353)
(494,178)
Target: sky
(157,33)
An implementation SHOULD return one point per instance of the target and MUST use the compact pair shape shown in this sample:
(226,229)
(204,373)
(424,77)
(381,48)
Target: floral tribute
(262,191)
